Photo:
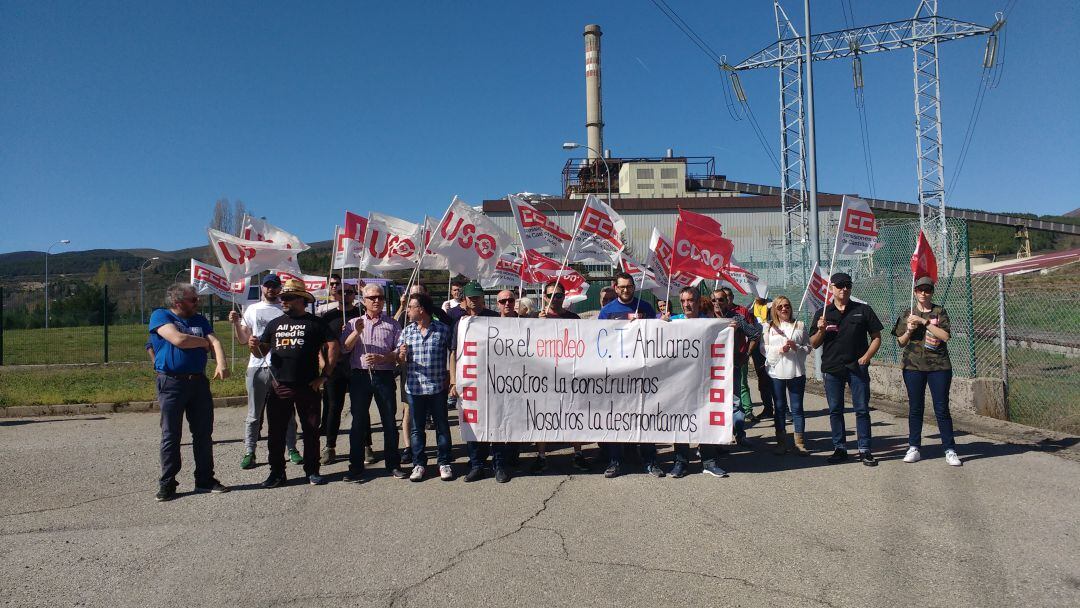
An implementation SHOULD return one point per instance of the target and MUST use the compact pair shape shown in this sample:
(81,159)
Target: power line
(686,29)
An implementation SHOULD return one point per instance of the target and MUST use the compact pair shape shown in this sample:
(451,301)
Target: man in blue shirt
(627,307)
(181,338)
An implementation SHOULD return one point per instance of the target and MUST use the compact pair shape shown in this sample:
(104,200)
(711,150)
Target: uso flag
(700,249)
(857,232)
(469,240)
(241,258)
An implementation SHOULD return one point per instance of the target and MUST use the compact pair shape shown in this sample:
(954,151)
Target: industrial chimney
(594,113)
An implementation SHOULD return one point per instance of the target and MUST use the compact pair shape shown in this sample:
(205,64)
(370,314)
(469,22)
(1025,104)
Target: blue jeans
(381,385)
(860,403)
(789,393)
(177,397)
(646,451)
(419,408)
(939,382)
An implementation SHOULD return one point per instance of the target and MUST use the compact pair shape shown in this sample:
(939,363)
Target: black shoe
(612,471)
(678,471)
(539,465)
(166,492)
(399,473)
(838,455)
(406,456)
(501,475)
(354,476)
(767,413)
(580,462)
(474,474)
(868,459)
(275,480)
(214,487)
(743,441)
(654,470)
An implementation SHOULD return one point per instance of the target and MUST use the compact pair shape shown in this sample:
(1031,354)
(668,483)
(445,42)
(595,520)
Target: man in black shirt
(843,327)
(474,305)
(293,342)
(333,398)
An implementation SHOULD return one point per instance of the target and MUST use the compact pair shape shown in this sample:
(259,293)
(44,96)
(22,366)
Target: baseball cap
(472,289)
(924,282)
(272,279)
(840,278)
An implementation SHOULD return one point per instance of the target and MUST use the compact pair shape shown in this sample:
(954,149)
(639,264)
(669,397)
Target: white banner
(644,279)
(432,260)
(561,380)
(210,280)
(241,258)
(469,240)
(255,229)
(391,243)
(857,232)
(316,285)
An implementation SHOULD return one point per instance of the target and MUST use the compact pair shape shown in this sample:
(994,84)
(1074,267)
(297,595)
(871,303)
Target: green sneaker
(295,457)
(248,461)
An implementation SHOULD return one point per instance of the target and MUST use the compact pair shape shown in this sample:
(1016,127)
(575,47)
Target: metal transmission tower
(921,34)
(793,198)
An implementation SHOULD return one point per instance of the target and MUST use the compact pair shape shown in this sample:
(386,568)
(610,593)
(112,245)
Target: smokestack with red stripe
(594,113)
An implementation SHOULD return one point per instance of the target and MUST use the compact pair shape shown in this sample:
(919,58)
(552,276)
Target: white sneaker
(952,459)
(912,455)
(417,473)
(446,473)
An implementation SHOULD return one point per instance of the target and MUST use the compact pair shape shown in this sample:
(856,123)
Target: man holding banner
(841,330)
(473,305)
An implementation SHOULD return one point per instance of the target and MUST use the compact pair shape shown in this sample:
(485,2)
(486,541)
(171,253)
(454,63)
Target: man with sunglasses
(746,331)
(335,389)
(181,338)
(472,306)
(841,330)
(333,297)
(552,308)
(252,323)
(293,341)
(372,341)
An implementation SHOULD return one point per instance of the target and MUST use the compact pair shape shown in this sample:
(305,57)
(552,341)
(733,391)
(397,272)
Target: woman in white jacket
(785,345)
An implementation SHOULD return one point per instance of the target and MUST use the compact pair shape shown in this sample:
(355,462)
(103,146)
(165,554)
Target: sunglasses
(507,301)
(290,298)
(556,295)
(925,289)
(842,285)
(374,298)
(783,306)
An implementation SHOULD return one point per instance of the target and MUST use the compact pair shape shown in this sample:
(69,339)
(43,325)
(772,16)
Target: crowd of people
(302,364)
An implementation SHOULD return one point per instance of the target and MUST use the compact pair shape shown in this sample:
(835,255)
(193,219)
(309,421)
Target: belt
(360,370)
(183,376)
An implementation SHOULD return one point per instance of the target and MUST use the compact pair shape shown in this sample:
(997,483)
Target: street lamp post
(177,277)
(142,308)
(47,252)
(607,170)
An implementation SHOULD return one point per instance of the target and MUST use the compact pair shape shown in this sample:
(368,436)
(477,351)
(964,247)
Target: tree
(107,274)
(228,217)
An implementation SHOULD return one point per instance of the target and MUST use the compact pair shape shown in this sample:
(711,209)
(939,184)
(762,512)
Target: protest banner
(240,258)
(256,229)
(211,280)
(469,240)
(562,380)
(391,244)
(540,269)
(857,231)
(316,285)
(743,281)
(432,260)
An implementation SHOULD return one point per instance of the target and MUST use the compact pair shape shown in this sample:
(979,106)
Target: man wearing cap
(293,341)
(746,331)
(253,323)
(841,330)
(473,305)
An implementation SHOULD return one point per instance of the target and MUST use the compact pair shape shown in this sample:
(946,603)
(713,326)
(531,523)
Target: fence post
(972,363)
(1004,343)
(1,325)
(105,322)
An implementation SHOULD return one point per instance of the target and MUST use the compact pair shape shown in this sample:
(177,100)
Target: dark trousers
(419,408)
(939,382)
(333,402)
(708,451)
(281,402)
(646,451)
(479,450)
(764,383)
(176,397)
(381,385)
(860,403)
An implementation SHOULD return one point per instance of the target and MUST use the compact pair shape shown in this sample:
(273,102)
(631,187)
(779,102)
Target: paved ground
(79,526)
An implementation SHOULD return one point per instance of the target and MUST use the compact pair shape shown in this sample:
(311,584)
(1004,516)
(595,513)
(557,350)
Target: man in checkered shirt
(423,347)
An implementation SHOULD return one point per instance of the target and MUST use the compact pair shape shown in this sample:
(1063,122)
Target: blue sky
(123,122)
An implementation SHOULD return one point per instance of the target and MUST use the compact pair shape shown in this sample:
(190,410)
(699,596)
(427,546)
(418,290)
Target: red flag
(923,262)
(700,249)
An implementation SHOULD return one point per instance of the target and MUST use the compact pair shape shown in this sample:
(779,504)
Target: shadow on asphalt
(22,422)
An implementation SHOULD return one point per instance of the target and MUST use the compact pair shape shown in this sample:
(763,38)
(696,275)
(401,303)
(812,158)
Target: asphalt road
(80,527)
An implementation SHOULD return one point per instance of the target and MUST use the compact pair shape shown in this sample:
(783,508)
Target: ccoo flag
(857,232)
(700,248)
